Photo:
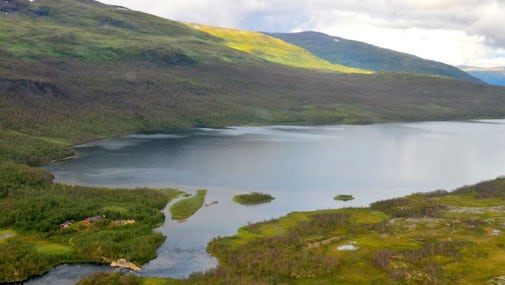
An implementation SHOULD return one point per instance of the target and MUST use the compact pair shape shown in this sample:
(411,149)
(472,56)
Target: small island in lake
(343,197)
(253,198)
(186,208)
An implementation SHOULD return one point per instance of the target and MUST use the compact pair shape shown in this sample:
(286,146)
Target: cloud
(490,23)
(456,32)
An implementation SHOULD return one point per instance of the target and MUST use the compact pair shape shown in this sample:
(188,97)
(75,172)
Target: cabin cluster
(88,220)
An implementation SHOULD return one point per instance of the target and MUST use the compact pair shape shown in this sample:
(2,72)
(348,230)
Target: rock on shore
(125,264)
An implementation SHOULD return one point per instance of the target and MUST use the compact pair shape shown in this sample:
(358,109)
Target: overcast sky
(457,32)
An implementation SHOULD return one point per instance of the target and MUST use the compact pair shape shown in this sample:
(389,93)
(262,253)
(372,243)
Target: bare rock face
(122,263)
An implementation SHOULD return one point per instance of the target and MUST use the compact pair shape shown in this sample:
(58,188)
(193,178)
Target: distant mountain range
(366,56)
(494,75)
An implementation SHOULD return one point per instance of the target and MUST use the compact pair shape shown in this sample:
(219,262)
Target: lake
(304,167)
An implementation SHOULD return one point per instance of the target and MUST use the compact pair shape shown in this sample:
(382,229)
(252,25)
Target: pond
(304,167)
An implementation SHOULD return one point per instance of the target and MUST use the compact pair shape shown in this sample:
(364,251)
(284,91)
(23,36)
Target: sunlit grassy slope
(273,49)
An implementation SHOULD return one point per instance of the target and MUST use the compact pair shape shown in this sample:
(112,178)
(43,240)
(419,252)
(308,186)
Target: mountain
(80,70)
(365,56)
(493,76)
(273,50)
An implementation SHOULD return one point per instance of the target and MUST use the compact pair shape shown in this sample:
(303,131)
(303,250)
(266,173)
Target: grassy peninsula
(253,198)
(187,207)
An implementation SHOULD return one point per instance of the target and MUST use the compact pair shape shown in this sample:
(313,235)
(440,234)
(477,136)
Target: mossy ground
(343,197)
(253,198)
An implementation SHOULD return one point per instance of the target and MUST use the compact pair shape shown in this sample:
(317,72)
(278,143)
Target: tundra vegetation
(253,198)
(111,279)
(343,197)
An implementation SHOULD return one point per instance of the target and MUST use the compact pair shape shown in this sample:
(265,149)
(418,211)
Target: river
(304,167)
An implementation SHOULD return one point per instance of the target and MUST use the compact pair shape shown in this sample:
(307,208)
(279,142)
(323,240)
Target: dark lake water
(303,167)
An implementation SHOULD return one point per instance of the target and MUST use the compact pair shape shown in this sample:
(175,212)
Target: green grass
(113,207)
(6,234)
(343,197)
(253,198)
(272,49)
(22,148)
(45,248)
(189,206)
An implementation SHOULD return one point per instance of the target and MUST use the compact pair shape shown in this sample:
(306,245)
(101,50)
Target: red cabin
(92,219)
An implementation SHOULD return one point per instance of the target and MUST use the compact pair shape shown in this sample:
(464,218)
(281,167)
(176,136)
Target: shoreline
(74,156)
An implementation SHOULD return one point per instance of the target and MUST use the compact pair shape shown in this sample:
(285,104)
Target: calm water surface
(303,167)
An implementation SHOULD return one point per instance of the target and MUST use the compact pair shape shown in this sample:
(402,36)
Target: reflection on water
(303,167)
(68,274)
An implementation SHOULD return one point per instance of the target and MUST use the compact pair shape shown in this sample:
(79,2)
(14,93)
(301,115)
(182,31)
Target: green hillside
(89,31)
(272,49)
(362,55)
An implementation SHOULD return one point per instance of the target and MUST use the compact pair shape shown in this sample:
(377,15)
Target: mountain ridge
(492,75)
(366,56)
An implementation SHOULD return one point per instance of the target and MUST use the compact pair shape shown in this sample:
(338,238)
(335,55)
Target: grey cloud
(481,18)
(484,18)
